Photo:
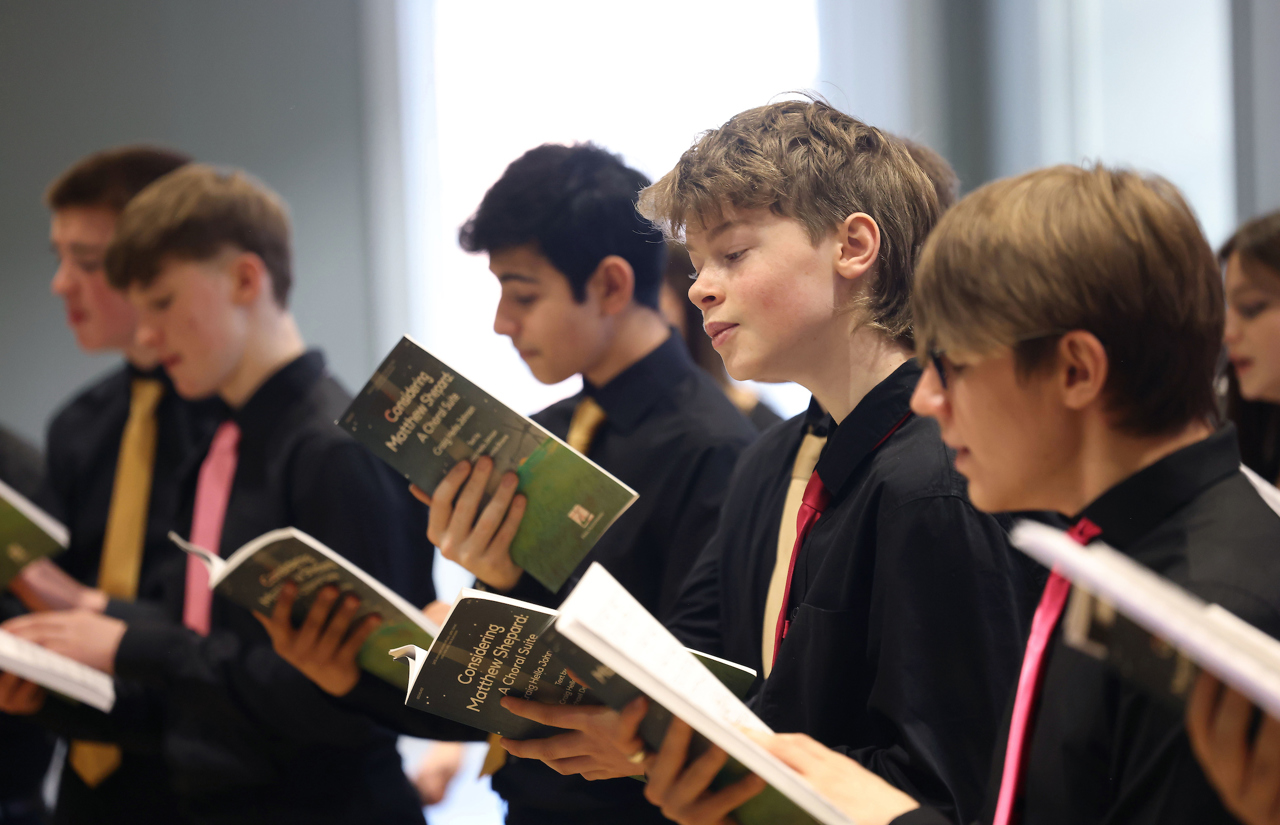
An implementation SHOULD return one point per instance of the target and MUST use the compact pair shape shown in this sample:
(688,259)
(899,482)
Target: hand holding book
(1244,769)
(480,542)
(324,647)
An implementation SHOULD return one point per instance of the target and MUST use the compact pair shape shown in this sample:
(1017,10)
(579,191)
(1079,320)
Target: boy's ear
(1082,369)
(859,245)
(613,283)
(249,277)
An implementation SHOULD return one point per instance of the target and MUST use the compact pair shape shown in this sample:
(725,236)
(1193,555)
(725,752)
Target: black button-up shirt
(246,737)
(673,437)
(908,607)
(83,447)
(1101,749)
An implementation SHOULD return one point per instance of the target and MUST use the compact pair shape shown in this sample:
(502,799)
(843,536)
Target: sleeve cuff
(151,652)
(130,612)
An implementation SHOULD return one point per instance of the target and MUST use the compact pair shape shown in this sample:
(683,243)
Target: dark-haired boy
(205,258)
(580,272)
(885,612)
(115,452)
(1083,383)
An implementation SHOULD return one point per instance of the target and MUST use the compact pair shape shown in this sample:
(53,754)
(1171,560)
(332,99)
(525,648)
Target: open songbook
(633,648)
(56,672)
(253,576)
(27,533)
(492,646)
(422,417)
(1153,631)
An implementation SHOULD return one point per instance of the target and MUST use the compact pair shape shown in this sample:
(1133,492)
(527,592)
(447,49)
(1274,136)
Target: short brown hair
(805,160)
(946,183)
(1109,251)
(112,177)
(194,214)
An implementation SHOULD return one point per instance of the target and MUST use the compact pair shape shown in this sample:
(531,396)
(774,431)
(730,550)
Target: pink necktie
(213,489)
(1042,625)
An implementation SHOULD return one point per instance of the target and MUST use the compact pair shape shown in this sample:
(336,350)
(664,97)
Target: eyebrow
(507,277)
(715,233)
(83,249)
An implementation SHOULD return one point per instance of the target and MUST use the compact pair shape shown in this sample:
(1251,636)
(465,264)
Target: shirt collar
(629,397)
(1137,505)
(876,417)
(263,408)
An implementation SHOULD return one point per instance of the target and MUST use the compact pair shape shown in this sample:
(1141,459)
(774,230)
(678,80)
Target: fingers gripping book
(422,417)
(56,672)
(254,575)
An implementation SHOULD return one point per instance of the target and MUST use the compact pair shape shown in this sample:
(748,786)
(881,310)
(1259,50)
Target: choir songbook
(422,417)
(254,575)
(27,533)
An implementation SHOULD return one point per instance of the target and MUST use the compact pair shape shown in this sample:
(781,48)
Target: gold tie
(586,421)
(122,545)
(806,460)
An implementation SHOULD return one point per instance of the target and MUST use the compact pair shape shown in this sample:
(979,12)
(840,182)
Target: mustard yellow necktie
(583,426)
(122,545)
(806,460)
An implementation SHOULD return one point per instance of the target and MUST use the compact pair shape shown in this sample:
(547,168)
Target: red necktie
(812,504)
(213,489)
(1047,614)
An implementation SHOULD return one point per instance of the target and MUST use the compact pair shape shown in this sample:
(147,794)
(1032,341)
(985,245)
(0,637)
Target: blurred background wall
(274,87)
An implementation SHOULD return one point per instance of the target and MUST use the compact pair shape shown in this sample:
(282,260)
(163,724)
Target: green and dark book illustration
(422,417)
(253,576)
(27,533)
(492,646)
(1156,634)
(635,655)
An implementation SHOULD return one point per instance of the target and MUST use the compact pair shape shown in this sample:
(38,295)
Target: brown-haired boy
(115,451)
(1073,319)
(204,256)
(891,627)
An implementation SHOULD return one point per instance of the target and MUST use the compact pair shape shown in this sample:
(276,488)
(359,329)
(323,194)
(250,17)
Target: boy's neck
(273,342)
(855,363)
(637,332)
(1108,457)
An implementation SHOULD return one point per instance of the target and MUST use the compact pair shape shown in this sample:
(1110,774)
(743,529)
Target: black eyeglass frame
(936,355)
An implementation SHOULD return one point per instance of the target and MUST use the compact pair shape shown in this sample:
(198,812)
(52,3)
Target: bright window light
(642,81)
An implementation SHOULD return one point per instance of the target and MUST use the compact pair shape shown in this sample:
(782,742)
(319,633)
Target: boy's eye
(161,304)
(90,265)
(1252,310)
(524,300)
(733,256)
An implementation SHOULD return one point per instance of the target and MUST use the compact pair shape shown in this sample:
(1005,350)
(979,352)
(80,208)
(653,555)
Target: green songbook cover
(422,418)
(27,533)
(253,576)
(492,646)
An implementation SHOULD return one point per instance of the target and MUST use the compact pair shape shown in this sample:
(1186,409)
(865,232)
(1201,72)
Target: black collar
(629,397)
(877,415)
(1134,507)
(261,412)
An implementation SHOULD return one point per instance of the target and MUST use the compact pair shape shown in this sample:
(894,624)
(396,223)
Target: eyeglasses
(938,357)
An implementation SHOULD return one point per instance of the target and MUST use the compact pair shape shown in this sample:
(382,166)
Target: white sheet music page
(56,672)
(606,621)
